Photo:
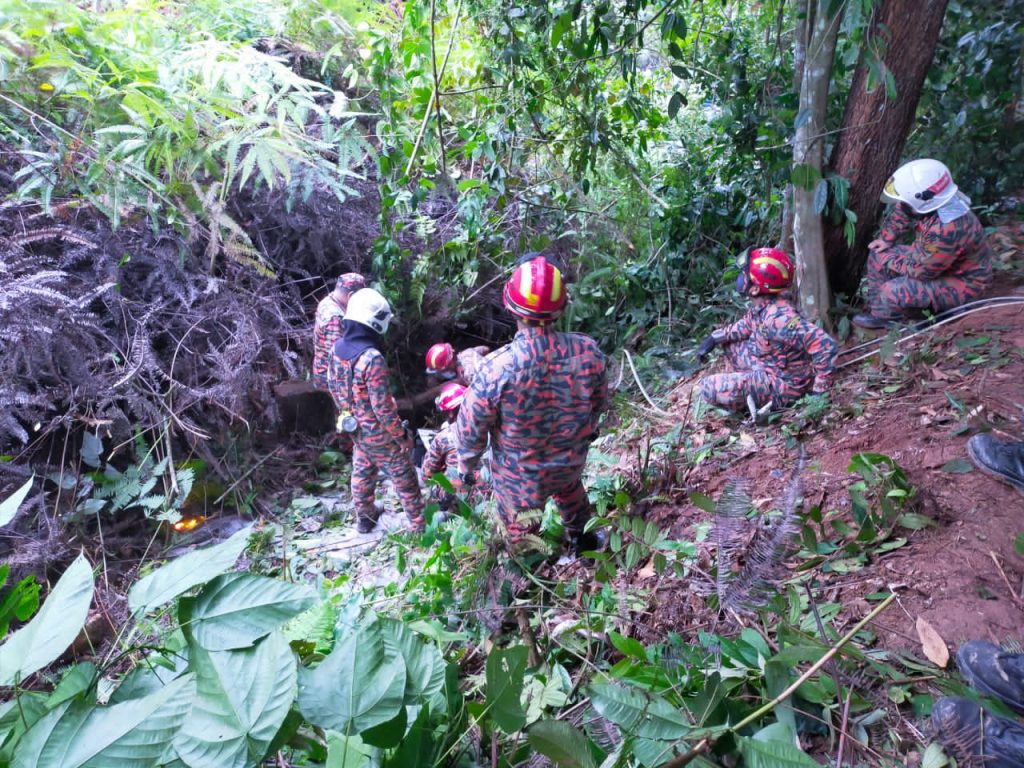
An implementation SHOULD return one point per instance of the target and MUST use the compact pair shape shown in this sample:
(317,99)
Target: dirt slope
(919,407)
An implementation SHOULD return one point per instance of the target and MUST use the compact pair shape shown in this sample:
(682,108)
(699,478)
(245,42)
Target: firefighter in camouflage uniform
(443,364)
(359,385)
(327,327)
(538,400)
(775,354)
(948,263)
(441,455)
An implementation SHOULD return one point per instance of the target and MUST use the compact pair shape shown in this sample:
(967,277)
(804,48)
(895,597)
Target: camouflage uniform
(947,265)
(467,363)
(539,400)
(380,443)
(776,355)
(441,456)
(327,329)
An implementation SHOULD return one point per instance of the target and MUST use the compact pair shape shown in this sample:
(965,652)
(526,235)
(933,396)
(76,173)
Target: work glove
(705,347)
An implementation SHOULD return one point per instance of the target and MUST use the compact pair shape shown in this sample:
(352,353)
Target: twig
(824,638)
(433,96)
(1013,593)
(437,83)
(636,377)
(245,474)
(842,727)
(707,742)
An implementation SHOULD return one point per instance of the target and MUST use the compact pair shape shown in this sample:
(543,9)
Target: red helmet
(770,270)
(535,291)
(451,396)
(440,357)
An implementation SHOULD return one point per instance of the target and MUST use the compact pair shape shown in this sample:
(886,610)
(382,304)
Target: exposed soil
(918,407)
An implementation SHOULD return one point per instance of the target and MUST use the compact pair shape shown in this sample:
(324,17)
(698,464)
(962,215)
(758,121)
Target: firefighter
(948,263)
(538,401)
(443,364)
(327,328)
(359,384)
(441,455)
(775,354)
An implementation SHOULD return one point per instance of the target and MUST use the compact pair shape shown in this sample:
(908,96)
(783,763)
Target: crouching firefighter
(441,453)
(538,399)
(775,354)
(949,261)
(359,384)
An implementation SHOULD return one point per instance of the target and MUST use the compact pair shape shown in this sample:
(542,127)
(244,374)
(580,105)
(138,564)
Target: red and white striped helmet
(770,270)
(536,291)
(451,396)
(440,357)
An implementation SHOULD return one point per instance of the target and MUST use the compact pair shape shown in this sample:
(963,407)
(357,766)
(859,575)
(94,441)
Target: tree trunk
(809,150)
(799,59)
(875,127)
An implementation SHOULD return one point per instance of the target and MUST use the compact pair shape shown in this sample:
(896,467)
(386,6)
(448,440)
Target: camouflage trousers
(747,377)
(516,495)
(892,296)
(396,464)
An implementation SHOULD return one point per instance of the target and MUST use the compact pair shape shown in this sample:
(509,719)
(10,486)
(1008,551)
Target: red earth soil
(919,407)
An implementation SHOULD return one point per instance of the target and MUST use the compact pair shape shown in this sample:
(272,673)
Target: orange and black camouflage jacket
(795,352)
(371,403)
(327,329)
(957,249)
(539,399)
(441,454)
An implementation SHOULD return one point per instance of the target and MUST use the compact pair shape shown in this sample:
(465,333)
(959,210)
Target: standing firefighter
(948,263)
(327,327)
(538,399)
(775,354)
(359,384)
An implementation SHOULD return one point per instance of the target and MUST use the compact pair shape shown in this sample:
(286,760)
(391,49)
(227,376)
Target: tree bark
(809,149)
(875,128)
(799,59)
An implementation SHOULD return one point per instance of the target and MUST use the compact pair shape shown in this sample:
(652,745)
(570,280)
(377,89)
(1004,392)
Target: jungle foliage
(475,656)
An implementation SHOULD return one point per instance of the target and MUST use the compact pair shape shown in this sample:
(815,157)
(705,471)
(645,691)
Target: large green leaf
(419,747)
(16,717)
(180,575)
(242,698)
(130,735)
(638,712)
(9,506)
(360,684)
(237,609)
(565,745)
(505,669)
(52,629)
(773,754)
(346,751)
(424,664)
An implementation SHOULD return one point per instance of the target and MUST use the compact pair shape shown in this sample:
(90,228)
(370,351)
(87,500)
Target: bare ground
(919,407)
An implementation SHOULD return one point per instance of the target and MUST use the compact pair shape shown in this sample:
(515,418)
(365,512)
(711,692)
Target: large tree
(879,114)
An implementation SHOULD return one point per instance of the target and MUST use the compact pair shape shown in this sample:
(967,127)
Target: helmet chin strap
(743,283)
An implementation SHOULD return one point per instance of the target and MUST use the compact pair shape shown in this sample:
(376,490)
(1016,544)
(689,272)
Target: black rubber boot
(591,541)
(368,520)
(1002,460)
(976,737)
(988,669)
(864,320)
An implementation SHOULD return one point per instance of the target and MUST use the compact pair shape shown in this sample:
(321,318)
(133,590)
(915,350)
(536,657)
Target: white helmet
(925,185)
(369,308)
